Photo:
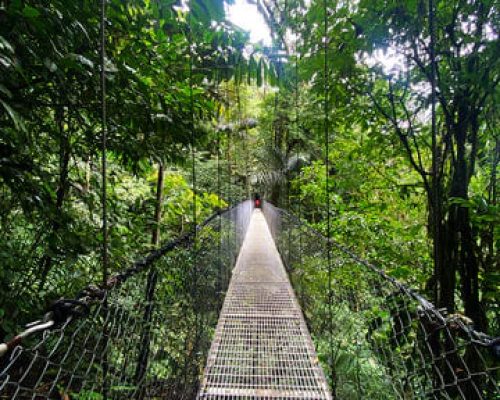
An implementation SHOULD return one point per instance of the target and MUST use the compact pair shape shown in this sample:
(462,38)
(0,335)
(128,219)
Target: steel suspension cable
(219,190)
(436,214)
(221,277)
(191,118)
(297,129)
(227,182)
(229,170)
(103,143)
(196,288)
(287,153)
(241,123)
(326,106)
(105,272)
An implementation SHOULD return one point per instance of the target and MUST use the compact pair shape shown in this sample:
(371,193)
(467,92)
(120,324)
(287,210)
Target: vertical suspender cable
(435,206)
(104,145)
(326,117)
(287,154)
(239,125)
(296,98)
(196,294)
(222,283)
(276,112)
(191,120)
(245,139)
(436,215)
(327,187)
(287,137)
(227,117)
(297,130)
(247,160)
(229,161)
(102,22)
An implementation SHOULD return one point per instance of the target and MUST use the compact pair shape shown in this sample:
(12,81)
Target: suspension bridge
(251,303)
(261,313)
(262,346)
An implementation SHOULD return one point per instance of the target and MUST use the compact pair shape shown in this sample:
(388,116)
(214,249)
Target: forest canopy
(198,118)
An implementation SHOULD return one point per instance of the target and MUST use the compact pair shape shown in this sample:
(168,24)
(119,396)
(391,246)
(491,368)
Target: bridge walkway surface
(262,348)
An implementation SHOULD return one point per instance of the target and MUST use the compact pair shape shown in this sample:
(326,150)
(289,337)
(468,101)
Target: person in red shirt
(256,200)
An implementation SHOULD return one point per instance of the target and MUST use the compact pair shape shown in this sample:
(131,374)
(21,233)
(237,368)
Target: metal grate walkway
(262,348)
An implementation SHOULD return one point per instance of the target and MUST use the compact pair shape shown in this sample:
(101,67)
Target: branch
(411,130)
(403,138)
(448,149)
(267,13)
(424,70)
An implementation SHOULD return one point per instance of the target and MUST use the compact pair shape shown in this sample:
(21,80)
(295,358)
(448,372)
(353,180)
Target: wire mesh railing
(144,335)
(375,337)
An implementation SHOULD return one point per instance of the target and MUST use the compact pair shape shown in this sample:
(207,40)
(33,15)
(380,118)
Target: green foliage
(50,122)
(180,80)
(87,395)
(381,180)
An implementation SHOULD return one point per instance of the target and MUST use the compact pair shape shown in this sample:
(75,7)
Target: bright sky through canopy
(247,17)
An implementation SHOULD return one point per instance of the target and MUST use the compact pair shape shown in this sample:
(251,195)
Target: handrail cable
(63,311)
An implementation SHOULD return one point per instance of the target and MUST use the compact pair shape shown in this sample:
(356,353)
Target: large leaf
(18,122)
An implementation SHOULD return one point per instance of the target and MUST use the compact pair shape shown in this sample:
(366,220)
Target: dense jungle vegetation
(185,89)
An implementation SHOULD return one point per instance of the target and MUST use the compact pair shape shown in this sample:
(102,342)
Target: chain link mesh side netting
(145,337)
(375,337)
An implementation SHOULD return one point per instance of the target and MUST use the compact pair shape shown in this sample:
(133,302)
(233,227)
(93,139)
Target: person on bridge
(257,201)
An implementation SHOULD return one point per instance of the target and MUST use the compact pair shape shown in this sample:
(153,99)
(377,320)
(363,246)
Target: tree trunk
(457,254)
(144,348)
(491,262)
(457,242)
(275,194)
(61,193)
(155,237)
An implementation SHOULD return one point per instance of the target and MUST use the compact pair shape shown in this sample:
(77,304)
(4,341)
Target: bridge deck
(262,348)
